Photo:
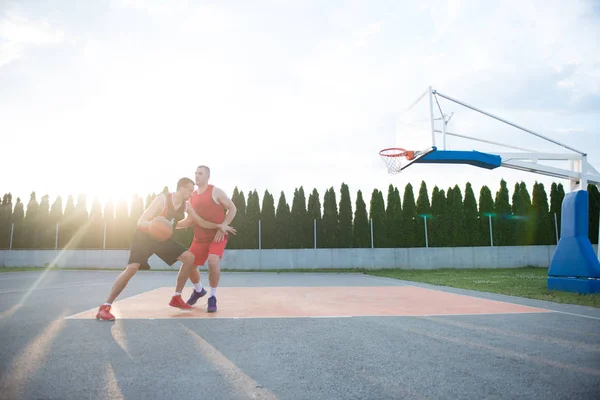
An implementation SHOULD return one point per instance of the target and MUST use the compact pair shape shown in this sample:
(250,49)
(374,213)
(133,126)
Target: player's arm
(185,223)
(154,209)
(223,199)
(195,218)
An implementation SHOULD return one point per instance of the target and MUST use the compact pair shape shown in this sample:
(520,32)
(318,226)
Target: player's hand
(219,236)
(227,229)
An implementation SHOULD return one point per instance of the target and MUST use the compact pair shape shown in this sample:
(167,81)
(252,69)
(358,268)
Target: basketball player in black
(173,208)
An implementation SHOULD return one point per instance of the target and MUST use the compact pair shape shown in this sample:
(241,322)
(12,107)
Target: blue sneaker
(195,296)
(212,304)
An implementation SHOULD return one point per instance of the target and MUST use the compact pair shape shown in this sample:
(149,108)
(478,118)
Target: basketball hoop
(395,158)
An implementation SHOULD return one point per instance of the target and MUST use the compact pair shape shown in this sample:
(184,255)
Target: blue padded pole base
(577,285)
(574,260)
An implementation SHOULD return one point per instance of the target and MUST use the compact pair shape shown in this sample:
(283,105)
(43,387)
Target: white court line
(577,315)
(95,308)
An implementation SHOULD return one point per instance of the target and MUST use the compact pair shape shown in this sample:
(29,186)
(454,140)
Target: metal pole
(259,238)
(372,243)
(556,227)
(56,238)
(431,116)
(12,230)
(426,239)
(315,232)
(104,240)
(509,123)
(491,235)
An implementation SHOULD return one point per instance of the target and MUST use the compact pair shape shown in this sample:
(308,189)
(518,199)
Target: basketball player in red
(210,204)
(173,208)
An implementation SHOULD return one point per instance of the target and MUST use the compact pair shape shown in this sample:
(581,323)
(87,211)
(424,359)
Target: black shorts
(143,246)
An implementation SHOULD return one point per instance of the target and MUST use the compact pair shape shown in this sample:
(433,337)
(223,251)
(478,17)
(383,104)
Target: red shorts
(202,250)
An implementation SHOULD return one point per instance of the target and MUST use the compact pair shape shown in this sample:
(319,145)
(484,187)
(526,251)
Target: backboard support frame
(580,174)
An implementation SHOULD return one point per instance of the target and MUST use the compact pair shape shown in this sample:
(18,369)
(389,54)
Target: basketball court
(289,335)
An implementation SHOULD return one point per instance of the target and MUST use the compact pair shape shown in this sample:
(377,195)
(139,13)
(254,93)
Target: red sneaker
(177,301)
(104,313)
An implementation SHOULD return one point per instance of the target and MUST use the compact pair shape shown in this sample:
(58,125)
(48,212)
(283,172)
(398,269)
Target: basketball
(161,229)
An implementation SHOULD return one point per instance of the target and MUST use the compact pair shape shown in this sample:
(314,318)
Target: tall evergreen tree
(32,233)
(81,224)
(5,220)
(409,217)
(300,225)
(18,239)
(457,215)
(110,226)
(95,237)
(593,212)
(345,233)
(543,227)
(557,194)
(67,227)
(123,232)
(393,218)
(502,225)
(361,229)
(283,233)
(315,216)
(46,230)
(56,216)
(240,222)
(437,228)
(377,219)
(234,240)
(486,211)
(471,219)
(423,215)
(252,217)
(330,219)
(267,221)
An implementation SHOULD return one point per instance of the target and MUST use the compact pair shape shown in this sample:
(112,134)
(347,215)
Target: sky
(115,97)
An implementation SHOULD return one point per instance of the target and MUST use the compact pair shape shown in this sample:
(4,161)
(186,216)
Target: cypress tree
(377,216)
(555,211)
(32,233)
(18,218)
(502,225)
(423,215)
(5,220)
(361,229)
(111,225)
(46,229)
(81,224)
(315,216)
(96,230)
(123,226)
(345,234)
(543,227)
(240,222)
(409,217)
(267,221)
(67,228)
(457,213)
(252,217)
(471,220)
(234,241)
(436,228)
(330,219)
(393,218)
(486,210)
(56,216)
(300,225)
(283,231)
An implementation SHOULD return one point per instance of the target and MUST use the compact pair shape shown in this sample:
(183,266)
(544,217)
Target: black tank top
(171,213)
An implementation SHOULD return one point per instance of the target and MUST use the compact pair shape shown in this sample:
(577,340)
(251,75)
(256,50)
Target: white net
(394,160)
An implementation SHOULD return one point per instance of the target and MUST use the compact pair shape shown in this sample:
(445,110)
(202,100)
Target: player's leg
(171,251)
(216,250)
(200,252)
(139,252)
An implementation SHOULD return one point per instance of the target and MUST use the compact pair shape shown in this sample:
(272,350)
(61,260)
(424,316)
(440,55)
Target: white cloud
(17,33)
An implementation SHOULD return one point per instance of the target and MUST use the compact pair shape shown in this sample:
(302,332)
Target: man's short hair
(184,181)
(205,167)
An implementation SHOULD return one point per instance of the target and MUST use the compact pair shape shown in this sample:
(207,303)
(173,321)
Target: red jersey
(207,209)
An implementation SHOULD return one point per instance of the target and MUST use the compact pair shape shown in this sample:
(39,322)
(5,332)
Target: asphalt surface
(43,355)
